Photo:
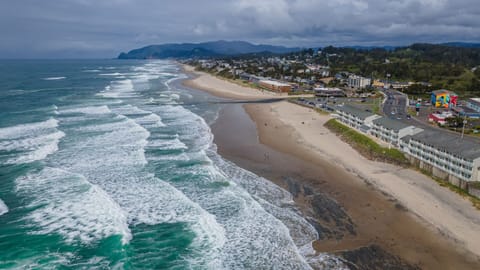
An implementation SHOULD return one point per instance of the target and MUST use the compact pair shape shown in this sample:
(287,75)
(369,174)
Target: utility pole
(463,127)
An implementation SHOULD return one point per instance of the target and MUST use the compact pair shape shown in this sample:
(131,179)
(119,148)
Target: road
(395,105)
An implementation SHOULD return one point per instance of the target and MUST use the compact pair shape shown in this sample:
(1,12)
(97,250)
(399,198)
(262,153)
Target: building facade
(391,131)
(474,104)
(275,86)
(355,81)
(329,92)
(356,118)
(444,99)
(447,156)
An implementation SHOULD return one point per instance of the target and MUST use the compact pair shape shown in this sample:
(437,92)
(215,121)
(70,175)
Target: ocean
(108,164)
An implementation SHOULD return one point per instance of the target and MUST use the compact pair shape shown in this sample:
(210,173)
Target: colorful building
(444,99)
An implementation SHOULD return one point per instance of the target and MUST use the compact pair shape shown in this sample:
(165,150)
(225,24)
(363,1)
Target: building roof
(323,89)
(442,91)
(364,128)
(475,101)
(390,123)
(354,111)
(467,147)
(274,83)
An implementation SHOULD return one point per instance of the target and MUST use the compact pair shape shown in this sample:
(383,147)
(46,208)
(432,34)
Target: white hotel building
(355,81)
(391,131)
(356,118)
(443,154)
(447,156)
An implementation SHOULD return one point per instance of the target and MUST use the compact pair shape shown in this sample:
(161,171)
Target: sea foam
(255,221)
(145,198)
(25,129)
(87,110)
(54,78)
(66,203)
(119,89)
(30,142)
(3,208)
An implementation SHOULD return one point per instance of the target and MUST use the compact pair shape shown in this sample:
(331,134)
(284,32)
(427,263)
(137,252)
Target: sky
(104,28)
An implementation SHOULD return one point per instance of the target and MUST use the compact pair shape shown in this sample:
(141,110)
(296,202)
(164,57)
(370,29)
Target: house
(245,76)
(439,118)
(448,156)
(391,131)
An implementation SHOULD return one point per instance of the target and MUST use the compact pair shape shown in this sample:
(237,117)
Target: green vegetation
(431,66)
(443,66)
(376,109)
(366,146)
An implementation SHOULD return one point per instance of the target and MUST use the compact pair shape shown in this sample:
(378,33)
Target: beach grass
(365,145)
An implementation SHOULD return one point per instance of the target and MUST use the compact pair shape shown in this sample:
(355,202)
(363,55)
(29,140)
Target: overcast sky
(104,28)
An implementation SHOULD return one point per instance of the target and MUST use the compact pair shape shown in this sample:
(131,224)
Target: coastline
(414,219)
(223,88)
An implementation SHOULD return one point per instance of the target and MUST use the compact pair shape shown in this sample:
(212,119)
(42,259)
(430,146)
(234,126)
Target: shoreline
(212,84)
(404,217)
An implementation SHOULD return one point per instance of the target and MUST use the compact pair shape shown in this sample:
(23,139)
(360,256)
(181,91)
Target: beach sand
(360,207)
(223,88)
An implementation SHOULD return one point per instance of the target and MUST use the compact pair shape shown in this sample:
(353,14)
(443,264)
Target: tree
(454,122)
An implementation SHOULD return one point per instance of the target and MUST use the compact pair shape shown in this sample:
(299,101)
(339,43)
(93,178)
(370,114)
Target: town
(436,130)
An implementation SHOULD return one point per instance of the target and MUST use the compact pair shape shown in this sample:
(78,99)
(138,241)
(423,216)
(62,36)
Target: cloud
(94,28)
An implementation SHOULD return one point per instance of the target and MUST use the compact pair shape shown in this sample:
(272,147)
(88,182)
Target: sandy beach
(223,88)
(400,210)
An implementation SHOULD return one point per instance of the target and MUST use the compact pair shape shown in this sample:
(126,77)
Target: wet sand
(362,210)
(368,228)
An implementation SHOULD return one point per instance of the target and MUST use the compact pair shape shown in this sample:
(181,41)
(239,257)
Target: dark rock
(374,258)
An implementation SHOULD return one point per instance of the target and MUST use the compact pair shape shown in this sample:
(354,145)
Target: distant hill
(462,44)
(357,47)
(206,49)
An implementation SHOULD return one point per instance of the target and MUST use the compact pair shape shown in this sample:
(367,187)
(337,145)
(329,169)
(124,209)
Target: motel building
(275,86)
(391,131)
(356,118)
(446,156)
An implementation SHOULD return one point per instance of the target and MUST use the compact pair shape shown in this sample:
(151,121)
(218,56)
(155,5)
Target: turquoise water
(110,164)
